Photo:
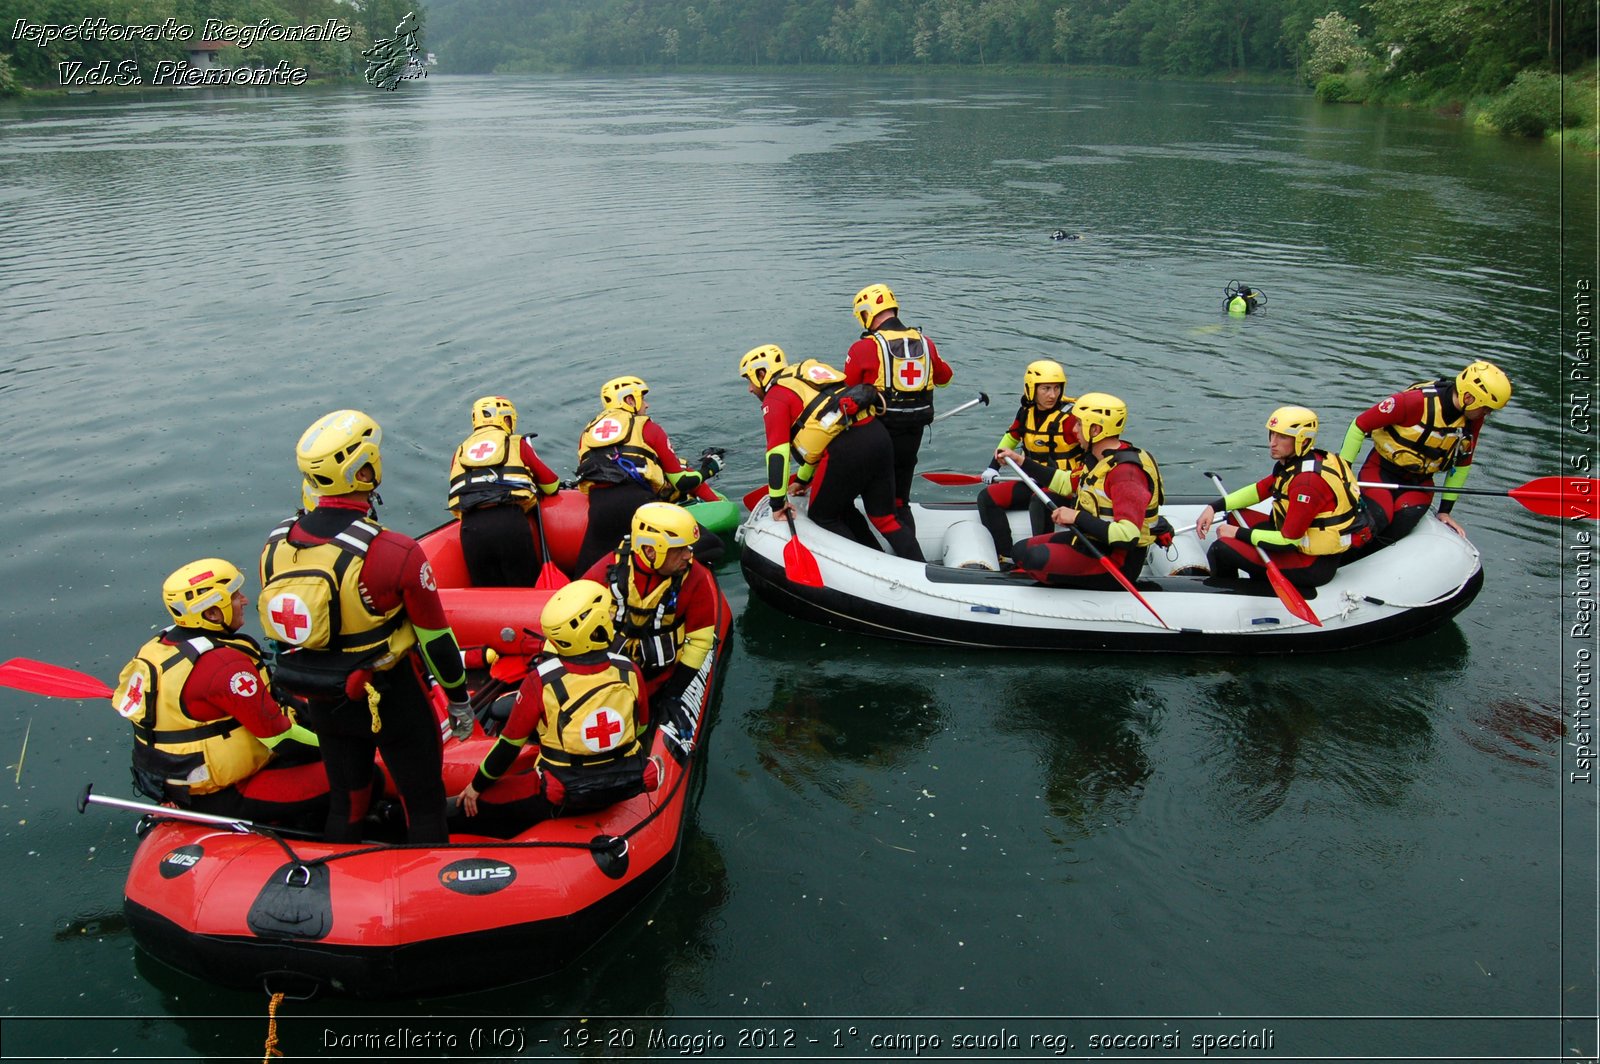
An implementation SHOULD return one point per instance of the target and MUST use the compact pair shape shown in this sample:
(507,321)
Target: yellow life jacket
(652,632)
(488,470)
(175,755)
(311,600)
(820,388)
(1438,443)
(1330,532)
(1092,497)
(611,450)
(1044,435)
(589,719)
(905,377)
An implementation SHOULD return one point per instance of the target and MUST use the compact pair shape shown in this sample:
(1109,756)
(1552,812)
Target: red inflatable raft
(259,910)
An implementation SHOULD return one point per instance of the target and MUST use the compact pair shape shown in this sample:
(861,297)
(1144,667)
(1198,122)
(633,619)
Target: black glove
(711,461)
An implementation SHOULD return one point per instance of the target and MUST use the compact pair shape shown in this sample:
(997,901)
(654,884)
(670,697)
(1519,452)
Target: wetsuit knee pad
(1030,555)
(1404,520)
(1222,559)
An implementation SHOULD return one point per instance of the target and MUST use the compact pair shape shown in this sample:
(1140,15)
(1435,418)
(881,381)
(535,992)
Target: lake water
(1375,855)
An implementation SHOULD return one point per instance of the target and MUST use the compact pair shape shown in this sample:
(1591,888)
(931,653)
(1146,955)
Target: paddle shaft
(1542,495)
(1043,495)
(1105,563)
(550,578)
(982,398)
(1509,493)
(1287,593)
(231,823)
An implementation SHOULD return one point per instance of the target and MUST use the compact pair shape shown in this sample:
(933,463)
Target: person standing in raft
(1043,430)
(207,735)
(668,608)
(1316,509)
(821,429)
(496,479)
(585,707)
(1115,506)
(905,367)
(356,612)
(1427,429)
(625,461)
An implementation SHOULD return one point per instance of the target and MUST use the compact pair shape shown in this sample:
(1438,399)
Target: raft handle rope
(874,574)
(1019,611)
(271,1048)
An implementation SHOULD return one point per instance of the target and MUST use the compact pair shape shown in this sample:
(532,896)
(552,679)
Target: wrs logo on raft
(179,861)
(477,875)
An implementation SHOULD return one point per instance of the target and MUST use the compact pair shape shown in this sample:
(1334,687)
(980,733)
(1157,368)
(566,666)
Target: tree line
(1491,54)
(1469,46)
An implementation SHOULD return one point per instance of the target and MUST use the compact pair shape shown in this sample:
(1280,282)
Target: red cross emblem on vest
(481,450)
(910,373)
(289,616)
(600,730)
(606,428)
(135,697)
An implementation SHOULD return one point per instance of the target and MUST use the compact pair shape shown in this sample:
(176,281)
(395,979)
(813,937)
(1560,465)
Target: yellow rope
(372,707)
(272,1028)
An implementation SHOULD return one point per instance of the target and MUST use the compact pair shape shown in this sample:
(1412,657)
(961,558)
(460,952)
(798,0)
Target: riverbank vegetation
(1492,58)
(1527,82)
(1518,67)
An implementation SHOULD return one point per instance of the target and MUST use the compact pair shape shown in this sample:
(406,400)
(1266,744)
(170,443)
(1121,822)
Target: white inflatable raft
(960,599)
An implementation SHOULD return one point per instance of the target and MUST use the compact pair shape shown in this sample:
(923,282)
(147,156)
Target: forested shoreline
(1508,65)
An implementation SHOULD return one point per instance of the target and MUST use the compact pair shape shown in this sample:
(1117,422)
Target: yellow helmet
(657,528)
(1044,371)
(194,588)
(494,410)
(1100,410)
(872,301)
(624,392)
(760,363)
(1298,422)
(335,448)
(1486,383)
(577,618)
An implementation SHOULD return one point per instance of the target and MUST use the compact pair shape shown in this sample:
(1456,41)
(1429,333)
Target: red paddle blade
(798,563)
(1290,595)
(952,480)
(54,681)
(1560,496)
(551,578)
(1122,578)
(509,668)
(800,566)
